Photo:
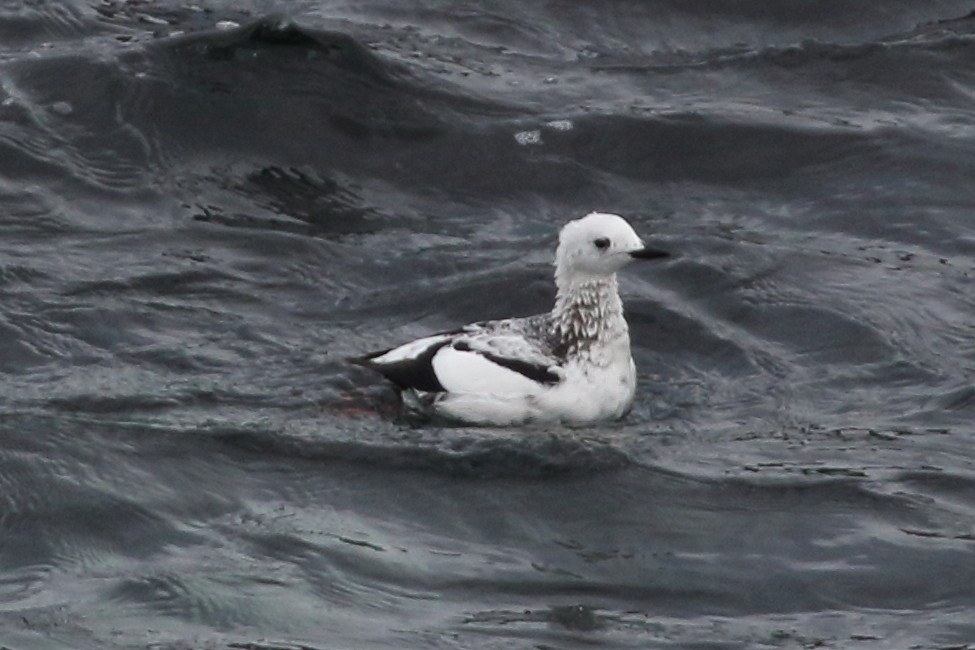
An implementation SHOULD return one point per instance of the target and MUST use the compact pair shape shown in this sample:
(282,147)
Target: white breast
(594,391)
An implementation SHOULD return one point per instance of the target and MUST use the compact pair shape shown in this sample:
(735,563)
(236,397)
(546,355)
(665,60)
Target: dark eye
(602,243)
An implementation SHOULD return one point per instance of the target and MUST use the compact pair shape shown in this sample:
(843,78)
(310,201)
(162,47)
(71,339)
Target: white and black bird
(571,365)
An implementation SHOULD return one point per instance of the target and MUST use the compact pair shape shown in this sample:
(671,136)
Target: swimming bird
(571,365)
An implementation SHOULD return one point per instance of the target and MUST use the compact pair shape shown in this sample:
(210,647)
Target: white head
(597,246)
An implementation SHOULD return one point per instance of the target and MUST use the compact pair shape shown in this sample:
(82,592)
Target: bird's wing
(476,359)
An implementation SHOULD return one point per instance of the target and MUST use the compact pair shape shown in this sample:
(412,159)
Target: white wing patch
(466,371)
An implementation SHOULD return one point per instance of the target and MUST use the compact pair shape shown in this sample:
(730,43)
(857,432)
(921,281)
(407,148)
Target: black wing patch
(534,371)
(416,373)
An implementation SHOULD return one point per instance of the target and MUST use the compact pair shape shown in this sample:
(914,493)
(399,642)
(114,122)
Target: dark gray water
(197,224)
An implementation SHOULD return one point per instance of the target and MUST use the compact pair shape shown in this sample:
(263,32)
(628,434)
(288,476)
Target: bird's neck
(587,311)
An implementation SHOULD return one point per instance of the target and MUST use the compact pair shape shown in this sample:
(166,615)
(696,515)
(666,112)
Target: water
(198,223)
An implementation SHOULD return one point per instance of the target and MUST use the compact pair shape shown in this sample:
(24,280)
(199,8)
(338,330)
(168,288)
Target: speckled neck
(587,311)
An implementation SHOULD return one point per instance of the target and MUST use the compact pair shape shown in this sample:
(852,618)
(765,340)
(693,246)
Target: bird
(571,365)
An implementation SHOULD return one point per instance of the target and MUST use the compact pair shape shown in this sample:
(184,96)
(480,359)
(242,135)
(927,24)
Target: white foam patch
(560,125)
(525,138)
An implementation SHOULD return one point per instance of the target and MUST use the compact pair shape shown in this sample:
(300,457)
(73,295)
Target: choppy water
(199,222)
